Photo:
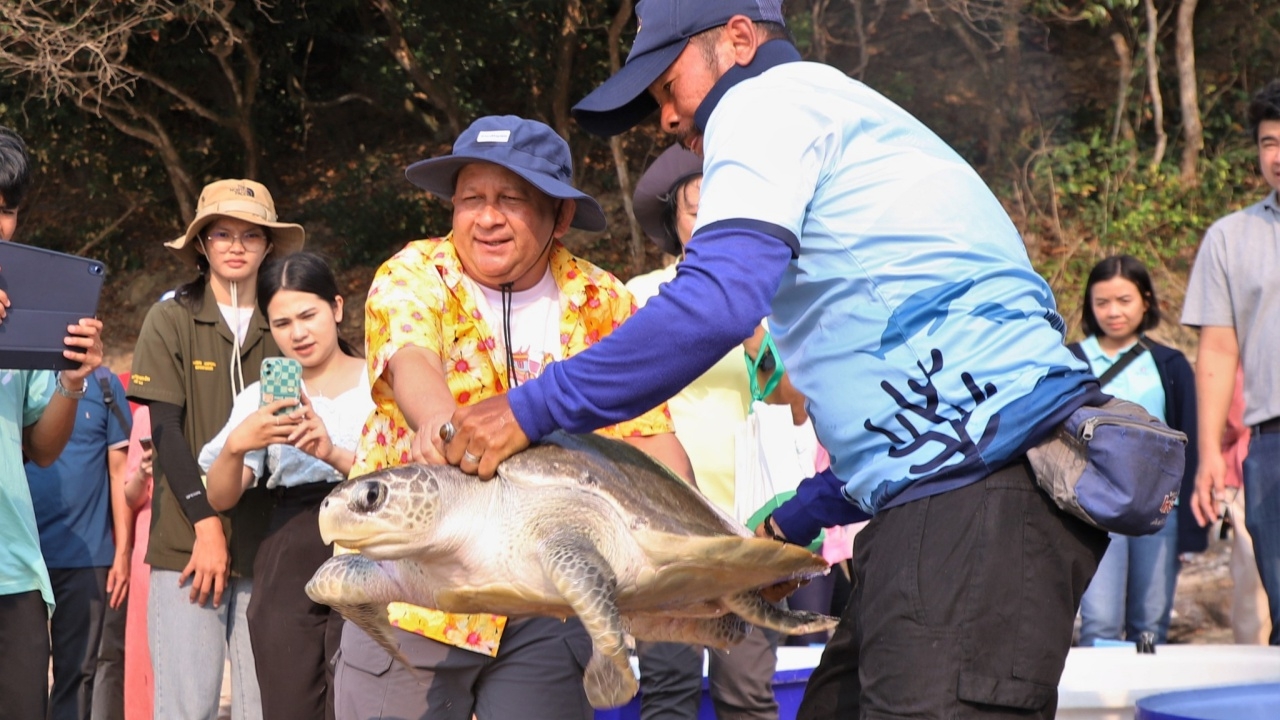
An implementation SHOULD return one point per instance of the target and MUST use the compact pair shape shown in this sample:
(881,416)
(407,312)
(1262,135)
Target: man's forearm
(46,438)
(419,386)
(1216,362)
(121,513)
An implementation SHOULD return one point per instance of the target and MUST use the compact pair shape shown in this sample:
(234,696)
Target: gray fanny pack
(1114,466)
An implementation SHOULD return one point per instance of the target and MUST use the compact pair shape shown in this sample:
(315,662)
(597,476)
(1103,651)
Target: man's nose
(669,118)
(490,215)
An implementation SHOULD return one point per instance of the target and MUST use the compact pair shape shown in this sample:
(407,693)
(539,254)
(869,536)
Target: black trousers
(76,633)
(962,607)
(293,638)
(24,656)
(108,682)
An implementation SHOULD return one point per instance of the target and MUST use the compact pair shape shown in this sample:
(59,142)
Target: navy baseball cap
(527,148)
(665,27)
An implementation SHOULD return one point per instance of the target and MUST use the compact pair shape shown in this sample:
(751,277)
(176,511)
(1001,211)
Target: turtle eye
(368,496)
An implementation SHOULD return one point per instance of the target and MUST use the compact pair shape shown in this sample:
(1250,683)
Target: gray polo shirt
(1235,282)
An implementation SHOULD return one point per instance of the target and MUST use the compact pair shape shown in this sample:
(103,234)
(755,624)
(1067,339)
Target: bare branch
(102,234)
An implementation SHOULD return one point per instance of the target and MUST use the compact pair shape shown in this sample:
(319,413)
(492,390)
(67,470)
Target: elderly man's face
(503,225)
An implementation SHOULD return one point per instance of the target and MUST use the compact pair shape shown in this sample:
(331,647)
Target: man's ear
(740,32)
(567,210)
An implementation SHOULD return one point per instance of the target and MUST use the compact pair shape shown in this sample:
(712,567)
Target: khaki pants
(1250,624)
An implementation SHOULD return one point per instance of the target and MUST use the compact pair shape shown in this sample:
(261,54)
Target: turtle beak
(344,514)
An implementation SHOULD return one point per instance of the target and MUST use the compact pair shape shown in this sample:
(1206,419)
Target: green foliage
(1108,201)
(371,211)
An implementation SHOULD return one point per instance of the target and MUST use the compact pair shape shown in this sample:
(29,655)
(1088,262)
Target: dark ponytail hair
(191,295)
(302,272)
(671,208)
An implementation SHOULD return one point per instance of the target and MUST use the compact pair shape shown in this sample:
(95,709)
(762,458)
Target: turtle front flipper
(586,581)
(359,589)
(755,610)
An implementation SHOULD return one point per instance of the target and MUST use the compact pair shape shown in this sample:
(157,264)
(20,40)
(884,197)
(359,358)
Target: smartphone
(281,379)
(145,443)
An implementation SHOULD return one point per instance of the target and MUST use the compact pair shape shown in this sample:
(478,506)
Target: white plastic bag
(773,456)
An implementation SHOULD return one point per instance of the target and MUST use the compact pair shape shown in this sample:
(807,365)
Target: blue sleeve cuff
(818,503)
(722,289)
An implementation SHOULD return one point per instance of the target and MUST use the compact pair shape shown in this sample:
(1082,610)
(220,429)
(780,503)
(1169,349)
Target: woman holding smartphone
(196,351)
(298,447)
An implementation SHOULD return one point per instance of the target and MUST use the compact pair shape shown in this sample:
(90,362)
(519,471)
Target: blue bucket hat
(665,27)
(527,148)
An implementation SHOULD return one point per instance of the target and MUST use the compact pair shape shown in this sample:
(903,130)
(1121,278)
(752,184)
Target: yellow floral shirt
(421,297)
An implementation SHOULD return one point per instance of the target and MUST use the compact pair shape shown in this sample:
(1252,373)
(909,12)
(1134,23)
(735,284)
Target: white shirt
(343,417)
(535,325)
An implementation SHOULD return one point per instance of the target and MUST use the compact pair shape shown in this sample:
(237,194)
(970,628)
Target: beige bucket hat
(243,200)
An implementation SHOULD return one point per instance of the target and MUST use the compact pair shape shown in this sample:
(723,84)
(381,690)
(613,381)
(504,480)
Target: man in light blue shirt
(906,311)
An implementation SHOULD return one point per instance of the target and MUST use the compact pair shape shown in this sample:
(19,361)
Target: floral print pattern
(421,297)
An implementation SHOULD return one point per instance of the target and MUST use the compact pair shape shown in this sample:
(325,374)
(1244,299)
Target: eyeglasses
(250,240)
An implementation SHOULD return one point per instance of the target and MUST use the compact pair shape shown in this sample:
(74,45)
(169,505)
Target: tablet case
(47,292)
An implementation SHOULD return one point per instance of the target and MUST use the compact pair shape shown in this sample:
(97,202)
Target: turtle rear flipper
(586,581)
(687,564)
(720,632)
(359,589)
(755,610)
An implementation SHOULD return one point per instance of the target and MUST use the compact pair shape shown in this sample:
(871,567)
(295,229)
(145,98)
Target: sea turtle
(578,524)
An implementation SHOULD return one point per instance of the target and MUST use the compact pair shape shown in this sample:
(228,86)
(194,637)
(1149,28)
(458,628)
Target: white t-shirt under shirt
(343,417)
(238,319)
(534,322)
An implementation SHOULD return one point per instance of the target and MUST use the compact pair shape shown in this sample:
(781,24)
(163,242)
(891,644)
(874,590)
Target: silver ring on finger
(447,431)
(467,456)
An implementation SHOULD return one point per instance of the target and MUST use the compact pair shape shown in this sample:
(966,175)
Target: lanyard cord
(754,367)
(507,301)
(512,381)
(236,369)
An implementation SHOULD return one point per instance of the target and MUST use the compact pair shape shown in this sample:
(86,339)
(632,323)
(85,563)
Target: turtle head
(386,515)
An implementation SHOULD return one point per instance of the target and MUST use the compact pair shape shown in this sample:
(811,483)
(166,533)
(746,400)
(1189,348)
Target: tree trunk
(817,13)
(184,187)
(1153,84)
(436,95)
(1188,97)
(567,45)
(1124,57)
(615,143)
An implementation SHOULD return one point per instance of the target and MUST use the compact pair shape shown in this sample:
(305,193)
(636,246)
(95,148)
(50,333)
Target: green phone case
(281,378)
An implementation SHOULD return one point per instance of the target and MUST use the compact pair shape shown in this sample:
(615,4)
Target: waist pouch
(1114,466)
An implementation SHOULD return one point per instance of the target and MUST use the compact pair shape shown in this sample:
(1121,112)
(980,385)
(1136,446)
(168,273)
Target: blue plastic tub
(795,664)
(1236,702)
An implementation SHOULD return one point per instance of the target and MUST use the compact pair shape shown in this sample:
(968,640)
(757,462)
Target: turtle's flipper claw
(359,589)
(753,608)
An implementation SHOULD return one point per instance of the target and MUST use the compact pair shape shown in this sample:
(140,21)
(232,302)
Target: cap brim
(437,175)
(650,200)
(623,100)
